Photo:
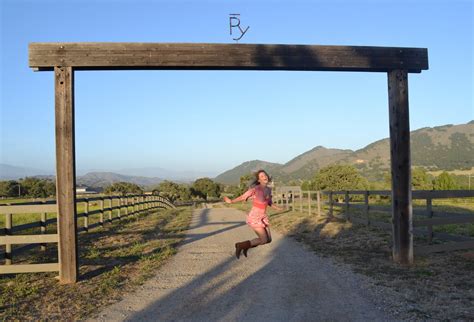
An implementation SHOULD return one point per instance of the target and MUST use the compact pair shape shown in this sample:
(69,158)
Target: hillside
(103,179)
(447,147)
(233,176)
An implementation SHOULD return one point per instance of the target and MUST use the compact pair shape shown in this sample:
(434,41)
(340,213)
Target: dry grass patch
(113,261)
(438,286)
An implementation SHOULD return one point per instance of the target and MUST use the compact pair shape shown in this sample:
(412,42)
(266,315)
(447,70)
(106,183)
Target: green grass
(113,260)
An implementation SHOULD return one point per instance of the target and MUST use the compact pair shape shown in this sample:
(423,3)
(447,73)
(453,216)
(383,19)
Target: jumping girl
(257,218)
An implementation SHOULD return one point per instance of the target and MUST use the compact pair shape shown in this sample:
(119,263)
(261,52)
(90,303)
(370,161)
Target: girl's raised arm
(243,197)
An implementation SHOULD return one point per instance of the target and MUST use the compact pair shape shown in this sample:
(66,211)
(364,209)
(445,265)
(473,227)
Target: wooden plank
(29,239)
(66,174)
(113,56)
(28,209)
(444,221)
(441,194)
(423,250)
(450,214)
(400,166)
(29,268)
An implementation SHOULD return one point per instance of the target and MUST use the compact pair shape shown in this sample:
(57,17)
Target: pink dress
(261,198)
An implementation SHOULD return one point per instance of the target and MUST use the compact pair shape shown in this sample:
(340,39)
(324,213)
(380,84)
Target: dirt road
(281,281)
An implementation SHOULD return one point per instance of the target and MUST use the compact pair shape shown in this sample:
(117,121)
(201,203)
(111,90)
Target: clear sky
(214,120)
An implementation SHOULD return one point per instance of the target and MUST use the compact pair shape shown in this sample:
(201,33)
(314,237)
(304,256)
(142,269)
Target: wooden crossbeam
(28,209)
(29,239)
(116,56)
(29,268)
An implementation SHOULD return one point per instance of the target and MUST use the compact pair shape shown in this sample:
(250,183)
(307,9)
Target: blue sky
(213,120)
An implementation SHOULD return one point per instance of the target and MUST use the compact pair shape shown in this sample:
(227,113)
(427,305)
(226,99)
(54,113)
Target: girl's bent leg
(269,234)
(262,237)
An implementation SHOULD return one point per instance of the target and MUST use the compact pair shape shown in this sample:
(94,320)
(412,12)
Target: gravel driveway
(281,281)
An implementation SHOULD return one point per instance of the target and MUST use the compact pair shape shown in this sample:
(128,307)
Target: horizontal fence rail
(296,199)
(106,205)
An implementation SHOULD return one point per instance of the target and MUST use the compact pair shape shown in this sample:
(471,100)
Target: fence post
(309,202)
(101,218)
(429,212)
(318,197)
(86,216)
(366,208)
(330,203)
(301,200)
(346,201)
(43,229)
(119,210)
(110,208)
(8,232)
(292,201)
(126,206)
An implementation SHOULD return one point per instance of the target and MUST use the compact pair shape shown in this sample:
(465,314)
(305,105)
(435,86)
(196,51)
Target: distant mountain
(9,172)
(103,179)
(185,176)
(233,176)
(447,147)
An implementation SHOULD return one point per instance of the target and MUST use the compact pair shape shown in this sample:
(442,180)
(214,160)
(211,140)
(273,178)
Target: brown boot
(246,249)
(243,246)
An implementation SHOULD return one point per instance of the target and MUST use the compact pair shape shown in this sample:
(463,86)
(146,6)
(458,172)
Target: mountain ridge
(445,147)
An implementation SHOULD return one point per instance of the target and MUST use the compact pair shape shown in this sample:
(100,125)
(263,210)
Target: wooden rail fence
(423,219)
(123,206)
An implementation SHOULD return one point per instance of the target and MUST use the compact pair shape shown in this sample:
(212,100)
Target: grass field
(113,260)
(438,286)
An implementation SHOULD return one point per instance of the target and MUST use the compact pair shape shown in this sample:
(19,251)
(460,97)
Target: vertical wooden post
(366,208)
(330,204)
(126,206)
(318,200)
(309,202)
(8,232)
(101,215)
(111,203)
(429,213)
(400,166)
(86,216)
(43,229)
(66,174)
(346,202)
(301,201)
(120,205)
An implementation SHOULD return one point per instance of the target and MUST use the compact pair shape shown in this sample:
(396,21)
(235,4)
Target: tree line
(334,177)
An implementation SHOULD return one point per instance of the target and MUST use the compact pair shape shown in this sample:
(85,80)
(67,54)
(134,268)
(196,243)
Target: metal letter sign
(234,21)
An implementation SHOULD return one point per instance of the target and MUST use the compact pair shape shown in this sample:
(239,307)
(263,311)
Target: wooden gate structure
(66,58)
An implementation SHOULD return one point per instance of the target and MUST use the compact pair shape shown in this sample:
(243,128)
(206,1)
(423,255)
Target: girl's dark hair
(255,181)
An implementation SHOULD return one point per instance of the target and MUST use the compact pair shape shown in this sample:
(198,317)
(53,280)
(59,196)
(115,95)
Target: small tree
(9,188)
(420,179)
(444,182)
(205,188)
(339,178)
(173,191)
(123,188)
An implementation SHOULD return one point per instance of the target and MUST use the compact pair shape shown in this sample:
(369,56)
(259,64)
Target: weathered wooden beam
(117,56)
(66,174)
(29,268)
(400,166)
(29,239)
